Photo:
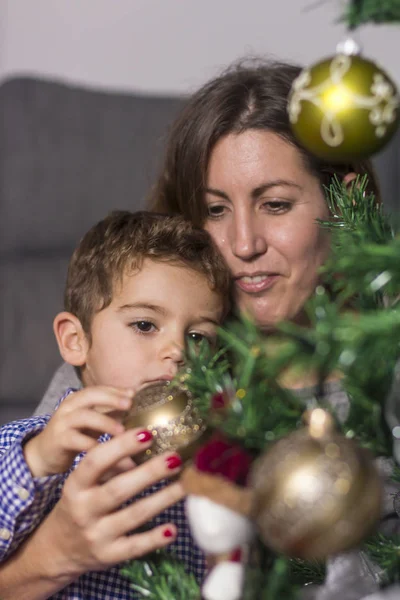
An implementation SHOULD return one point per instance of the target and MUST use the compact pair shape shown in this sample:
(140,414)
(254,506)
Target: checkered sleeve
(24,500)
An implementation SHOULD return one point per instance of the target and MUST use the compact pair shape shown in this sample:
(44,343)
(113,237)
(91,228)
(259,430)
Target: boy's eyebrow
(202,319)
(162,311)
(142,305)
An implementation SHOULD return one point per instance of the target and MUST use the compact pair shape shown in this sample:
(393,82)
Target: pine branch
(258,410)
(359,12)
(161,577)
(362,269)
(385,552)
(307,572)
(268,576)
(354,209)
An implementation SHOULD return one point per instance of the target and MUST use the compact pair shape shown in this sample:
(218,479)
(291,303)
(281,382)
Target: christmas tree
(253,416)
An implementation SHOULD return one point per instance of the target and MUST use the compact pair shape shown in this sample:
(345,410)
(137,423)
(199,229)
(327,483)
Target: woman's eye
(276,206)
(143,326)
(215,210)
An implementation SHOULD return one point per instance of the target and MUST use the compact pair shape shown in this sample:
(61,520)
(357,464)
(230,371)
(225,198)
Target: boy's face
(141,336)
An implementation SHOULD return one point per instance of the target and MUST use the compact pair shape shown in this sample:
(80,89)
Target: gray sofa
(67,157)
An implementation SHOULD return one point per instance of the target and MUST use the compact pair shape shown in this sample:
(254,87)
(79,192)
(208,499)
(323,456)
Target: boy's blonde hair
(118,245)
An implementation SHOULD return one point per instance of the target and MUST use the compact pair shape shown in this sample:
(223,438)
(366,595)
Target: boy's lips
(164,379)
(255,282)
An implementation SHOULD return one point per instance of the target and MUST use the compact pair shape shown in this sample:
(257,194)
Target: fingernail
(125,403)
(168,533)
(236,555)
(144,436)
(173,462)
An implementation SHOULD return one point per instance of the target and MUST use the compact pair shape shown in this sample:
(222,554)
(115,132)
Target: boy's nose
(174,351)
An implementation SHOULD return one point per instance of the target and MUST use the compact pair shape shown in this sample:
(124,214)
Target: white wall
(171,45)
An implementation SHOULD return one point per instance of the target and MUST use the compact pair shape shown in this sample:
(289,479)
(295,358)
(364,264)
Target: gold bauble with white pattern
(344,108)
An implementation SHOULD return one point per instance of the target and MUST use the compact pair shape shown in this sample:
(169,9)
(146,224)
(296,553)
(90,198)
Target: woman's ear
(349,179)
(71,339)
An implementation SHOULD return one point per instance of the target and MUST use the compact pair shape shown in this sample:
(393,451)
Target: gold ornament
(168,412)
(316,493)
(344,108)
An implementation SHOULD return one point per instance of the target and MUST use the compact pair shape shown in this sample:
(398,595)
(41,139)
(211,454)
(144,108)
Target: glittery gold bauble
(316,493)
(168,412)
(344,108)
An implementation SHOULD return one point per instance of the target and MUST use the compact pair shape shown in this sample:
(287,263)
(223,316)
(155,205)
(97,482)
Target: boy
(138,287)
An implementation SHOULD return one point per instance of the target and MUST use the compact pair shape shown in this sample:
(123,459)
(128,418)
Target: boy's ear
(71,339)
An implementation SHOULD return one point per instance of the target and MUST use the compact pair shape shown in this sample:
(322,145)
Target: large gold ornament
(168,412)
(344,108)
(316,493)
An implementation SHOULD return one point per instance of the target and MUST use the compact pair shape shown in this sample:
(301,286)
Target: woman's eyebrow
(259,190)
(215,192)
(264,187)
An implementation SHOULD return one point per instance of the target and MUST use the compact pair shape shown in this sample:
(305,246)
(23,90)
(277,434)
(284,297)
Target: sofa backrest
(68,156)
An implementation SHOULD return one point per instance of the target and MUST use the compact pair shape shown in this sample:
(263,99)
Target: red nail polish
(173,462)
(168,533)
(144,436)
(236,555)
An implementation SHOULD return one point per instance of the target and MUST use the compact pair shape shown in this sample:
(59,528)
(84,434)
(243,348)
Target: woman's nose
(248,240)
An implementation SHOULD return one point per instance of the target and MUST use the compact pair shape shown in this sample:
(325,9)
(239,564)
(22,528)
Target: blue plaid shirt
(26,500)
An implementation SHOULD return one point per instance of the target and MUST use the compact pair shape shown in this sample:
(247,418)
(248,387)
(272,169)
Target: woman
(233,167)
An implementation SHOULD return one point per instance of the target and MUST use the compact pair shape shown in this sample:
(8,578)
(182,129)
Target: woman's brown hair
(249,95)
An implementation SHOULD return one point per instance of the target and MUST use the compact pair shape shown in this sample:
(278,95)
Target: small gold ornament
(343,108)
(316,493)
(168,412)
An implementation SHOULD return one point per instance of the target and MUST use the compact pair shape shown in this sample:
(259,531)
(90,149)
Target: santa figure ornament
(218,506)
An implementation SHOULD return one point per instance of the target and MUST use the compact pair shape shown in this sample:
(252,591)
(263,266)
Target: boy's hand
(75,427)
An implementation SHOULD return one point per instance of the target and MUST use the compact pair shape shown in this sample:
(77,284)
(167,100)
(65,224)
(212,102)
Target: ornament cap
(349,47)
(319,421)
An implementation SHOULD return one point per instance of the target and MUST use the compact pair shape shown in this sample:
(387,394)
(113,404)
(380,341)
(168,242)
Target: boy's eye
(196,338)
(143,326)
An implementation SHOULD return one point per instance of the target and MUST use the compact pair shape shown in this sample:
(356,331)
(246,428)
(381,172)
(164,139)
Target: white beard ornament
(218,508)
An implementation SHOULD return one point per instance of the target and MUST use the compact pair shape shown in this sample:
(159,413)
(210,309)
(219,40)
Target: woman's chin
(264,314)
(267,313)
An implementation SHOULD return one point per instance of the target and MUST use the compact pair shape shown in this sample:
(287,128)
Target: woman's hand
(88,529)
(75,427)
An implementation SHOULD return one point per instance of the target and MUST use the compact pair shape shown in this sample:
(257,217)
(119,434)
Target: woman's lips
(253,284)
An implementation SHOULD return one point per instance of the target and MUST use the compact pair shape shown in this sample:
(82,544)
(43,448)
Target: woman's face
(262,209)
